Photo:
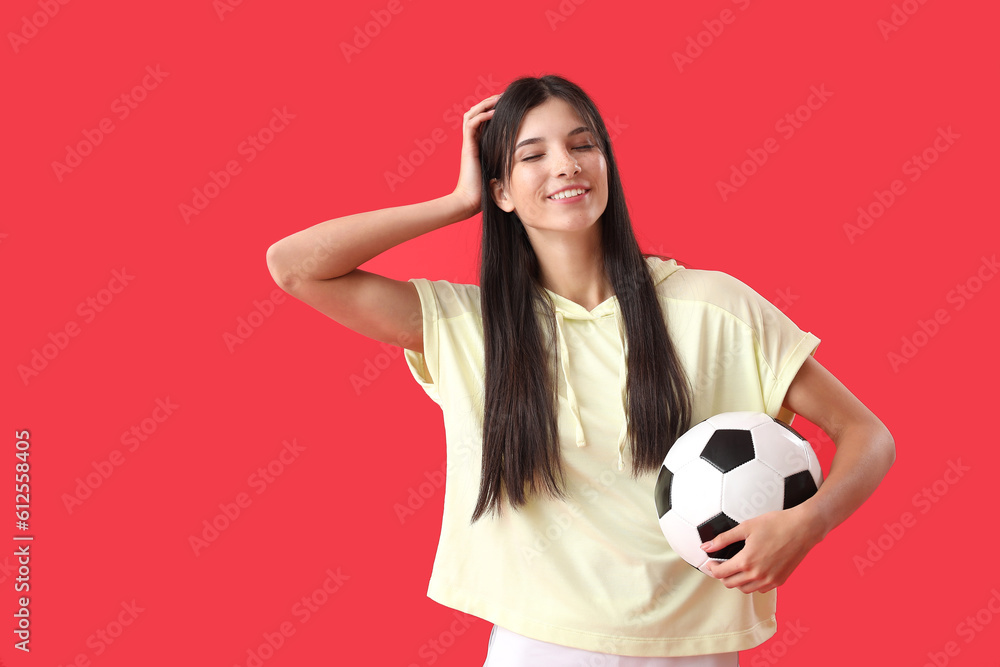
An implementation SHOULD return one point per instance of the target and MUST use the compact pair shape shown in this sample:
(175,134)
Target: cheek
(602,167)
(602,172)
(529,186)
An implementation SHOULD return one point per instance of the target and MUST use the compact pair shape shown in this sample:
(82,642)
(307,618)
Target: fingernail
(706,546)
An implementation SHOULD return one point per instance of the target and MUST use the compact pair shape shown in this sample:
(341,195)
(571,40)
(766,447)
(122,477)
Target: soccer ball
(727,469)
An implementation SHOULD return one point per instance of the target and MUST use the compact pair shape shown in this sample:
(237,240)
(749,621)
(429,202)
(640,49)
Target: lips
(570,192)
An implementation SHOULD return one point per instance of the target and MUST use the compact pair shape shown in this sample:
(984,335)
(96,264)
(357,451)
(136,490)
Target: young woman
(564,377)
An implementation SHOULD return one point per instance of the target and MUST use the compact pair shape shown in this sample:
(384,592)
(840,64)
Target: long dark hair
(520,432)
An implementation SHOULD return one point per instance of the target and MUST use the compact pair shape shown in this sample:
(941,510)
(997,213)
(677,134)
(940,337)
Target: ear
(500,196)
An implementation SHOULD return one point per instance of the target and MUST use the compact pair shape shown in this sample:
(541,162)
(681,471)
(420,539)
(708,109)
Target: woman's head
(545,134)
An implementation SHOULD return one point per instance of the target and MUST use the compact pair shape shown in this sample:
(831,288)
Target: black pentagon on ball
(728,448)
(718,524)
(662,492)
(799,488)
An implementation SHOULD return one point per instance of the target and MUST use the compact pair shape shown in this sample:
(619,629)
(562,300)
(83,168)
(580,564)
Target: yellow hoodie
(594,572)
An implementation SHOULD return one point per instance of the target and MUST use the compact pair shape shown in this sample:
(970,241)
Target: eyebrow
(535,140)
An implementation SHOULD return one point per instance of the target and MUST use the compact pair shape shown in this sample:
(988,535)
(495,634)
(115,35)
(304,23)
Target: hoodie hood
(566,310)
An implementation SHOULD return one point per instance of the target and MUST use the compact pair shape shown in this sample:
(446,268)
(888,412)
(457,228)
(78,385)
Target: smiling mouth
(565,195)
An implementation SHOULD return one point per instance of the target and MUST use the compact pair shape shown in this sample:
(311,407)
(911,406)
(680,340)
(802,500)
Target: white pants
(509,649)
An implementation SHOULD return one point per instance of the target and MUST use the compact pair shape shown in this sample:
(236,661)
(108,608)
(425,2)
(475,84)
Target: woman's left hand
(776,542)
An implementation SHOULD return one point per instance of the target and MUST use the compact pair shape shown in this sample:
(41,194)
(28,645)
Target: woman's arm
(776,542)
(319,265)
(336,247)
(865,448)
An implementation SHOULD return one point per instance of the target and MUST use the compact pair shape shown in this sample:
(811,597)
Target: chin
(555,226)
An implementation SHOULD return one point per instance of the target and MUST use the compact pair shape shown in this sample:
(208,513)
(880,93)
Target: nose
(567,164)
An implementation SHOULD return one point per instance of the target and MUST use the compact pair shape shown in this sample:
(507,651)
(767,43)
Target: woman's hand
(470,187)
(776,542)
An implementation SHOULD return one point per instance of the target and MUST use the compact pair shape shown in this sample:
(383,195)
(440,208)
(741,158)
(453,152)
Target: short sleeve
(451,326)
(424,366)
(781,348)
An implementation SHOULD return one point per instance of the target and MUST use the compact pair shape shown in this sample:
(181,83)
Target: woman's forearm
(865,452)
(336,247)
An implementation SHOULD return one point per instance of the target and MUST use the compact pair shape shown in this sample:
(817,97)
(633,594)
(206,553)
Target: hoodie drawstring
(564,366)
(565,309)
(571,394)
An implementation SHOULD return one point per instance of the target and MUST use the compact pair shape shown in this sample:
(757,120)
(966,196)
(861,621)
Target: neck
(571,264)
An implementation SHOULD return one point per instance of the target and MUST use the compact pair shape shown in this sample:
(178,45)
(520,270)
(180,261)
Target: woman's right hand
(470,187)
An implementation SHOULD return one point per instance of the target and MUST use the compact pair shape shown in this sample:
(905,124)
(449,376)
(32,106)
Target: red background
(680,130)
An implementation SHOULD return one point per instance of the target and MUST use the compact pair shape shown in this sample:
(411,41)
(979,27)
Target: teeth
(568,193)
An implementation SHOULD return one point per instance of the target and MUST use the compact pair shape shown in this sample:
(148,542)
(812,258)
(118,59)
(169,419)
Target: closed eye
(535,157)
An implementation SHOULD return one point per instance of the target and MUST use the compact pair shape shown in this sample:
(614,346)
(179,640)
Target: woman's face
(554,150)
